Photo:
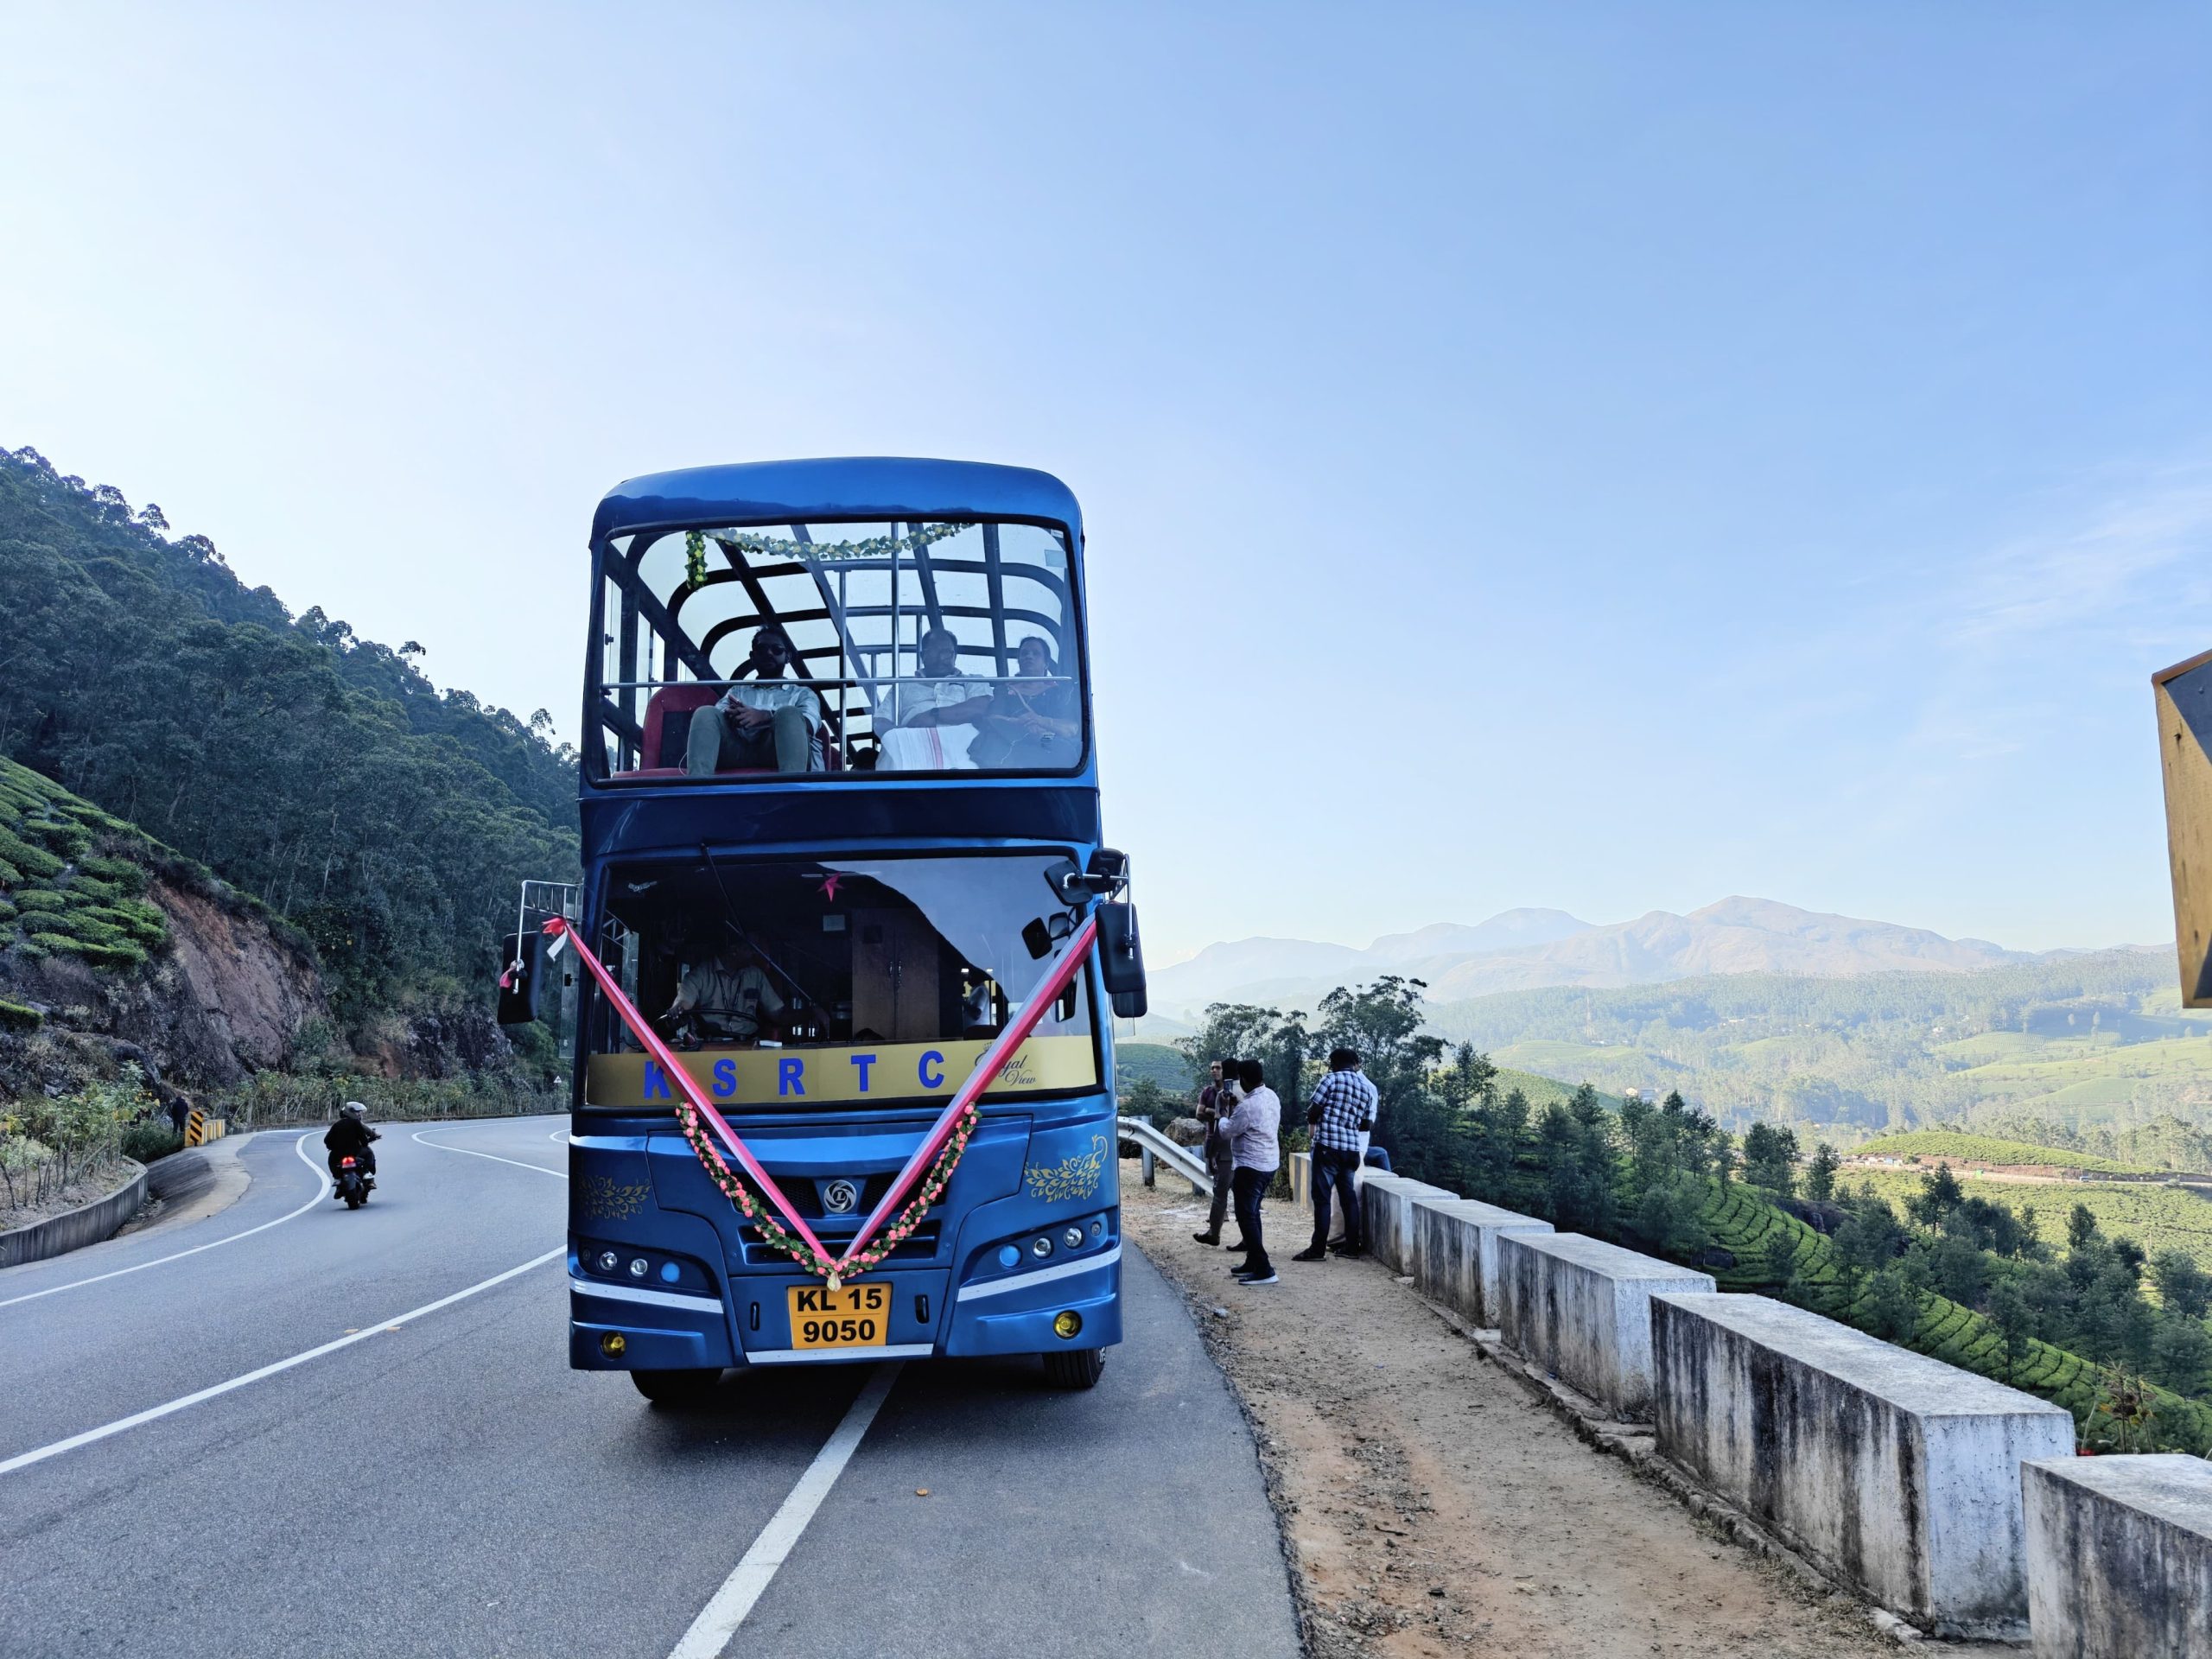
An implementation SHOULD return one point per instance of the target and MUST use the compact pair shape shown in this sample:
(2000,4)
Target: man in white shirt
(937,703)
(727,999)
(1252,1129)
(769,721)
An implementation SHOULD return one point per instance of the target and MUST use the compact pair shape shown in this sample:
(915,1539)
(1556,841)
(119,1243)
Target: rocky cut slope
(111,944)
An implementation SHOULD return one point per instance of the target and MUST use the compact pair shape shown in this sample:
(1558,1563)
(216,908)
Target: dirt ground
(1431,1506)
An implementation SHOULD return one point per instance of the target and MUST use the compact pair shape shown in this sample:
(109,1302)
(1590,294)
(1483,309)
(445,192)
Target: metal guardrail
(1154,1147)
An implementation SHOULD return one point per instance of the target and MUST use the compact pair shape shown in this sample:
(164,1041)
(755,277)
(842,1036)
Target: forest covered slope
(320,774)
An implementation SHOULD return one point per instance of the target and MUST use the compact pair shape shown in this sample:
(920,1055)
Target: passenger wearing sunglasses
(773,722)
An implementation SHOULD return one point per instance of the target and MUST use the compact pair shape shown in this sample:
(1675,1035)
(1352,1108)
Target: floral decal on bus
(1071,1177)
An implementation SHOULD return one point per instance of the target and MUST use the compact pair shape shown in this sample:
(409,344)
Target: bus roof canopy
(857,487)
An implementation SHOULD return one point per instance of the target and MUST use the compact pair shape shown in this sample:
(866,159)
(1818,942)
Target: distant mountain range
(1524,950)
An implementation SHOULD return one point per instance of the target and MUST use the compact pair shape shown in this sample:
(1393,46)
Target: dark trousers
(1250,1185)
(1223,1167)
(1333,1171)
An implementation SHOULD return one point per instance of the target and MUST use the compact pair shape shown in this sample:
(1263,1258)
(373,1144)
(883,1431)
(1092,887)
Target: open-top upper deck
(809,622)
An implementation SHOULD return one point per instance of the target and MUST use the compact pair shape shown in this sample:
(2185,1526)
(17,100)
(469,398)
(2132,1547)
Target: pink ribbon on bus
(987,1069)
(683,1079)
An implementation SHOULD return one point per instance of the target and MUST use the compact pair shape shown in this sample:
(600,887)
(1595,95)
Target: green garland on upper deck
(871,547)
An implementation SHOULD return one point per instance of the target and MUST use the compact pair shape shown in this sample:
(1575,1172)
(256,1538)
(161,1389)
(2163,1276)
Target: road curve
(233,1451)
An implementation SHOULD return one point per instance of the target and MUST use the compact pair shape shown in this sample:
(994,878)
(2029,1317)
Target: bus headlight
(607,1262)
(612,1344)
(1072,1238)
(1066,1323)
(1040,1248)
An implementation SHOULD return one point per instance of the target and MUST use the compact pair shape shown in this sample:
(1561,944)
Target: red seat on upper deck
(667,732)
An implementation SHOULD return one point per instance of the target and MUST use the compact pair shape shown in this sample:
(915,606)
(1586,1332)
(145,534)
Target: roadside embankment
(1431,1506)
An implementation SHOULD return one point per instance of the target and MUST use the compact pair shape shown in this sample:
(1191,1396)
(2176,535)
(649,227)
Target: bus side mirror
(523,972)
(1121,958)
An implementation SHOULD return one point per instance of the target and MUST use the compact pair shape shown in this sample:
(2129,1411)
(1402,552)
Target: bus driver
(728,998)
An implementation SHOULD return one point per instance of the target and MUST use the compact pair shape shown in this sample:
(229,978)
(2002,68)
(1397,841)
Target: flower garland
(695,558)
(872,547)
(734,1189)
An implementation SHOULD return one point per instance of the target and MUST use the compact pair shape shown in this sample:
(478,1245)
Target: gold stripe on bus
(791,1079)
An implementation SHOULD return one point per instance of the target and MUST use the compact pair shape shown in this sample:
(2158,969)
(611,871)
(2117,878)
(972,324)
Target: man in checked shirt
(1341,1113)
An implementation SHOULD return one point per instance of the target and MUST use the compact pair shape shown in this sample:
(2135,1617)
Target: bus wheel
(1076,1368)
(676,1387)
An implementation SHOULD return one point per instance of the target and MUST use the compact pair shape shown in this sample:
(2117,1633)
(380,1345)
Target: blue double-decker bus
(841,848)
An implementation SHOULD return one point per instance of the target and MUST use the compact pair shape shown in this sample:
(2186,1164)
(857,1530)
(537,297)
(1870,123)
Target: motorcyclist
(349,1137)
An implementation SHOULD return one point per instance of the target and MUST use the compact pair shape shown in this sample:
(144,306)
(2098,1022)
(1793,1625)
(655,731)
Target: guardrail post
(1145,1163)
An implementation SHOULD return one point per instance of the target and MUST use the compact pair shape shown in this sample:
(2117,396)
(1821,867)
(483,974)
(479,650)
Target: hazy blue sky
(1601,457)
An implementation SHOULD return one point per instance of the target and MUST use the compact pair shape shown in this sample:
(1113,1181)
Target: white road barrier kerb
(1581,1309)
(1455,1253)
(2119,1556)
(1895,1472)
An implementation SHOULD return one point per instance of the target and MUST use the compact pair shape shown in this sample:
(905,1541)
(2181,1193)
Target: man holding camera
(1342,1114)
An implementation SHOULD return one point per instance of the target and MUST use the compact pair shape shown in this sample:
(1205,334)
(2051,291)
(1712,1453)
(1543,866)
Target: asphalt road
(444,1484)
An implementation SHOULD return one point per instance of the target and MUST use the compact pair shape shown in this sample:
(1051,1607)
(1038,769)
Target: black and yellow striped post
(2184,695)
(195,1127)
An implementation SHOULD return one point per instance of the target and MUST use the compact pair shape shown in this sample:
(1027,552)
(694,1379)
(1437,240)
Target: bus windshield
(836,982)
(730,652)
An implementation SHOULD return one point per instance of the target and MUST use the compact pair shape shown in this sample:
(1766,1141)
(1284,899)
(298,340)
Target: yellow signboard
(2185,695)
(796,1079)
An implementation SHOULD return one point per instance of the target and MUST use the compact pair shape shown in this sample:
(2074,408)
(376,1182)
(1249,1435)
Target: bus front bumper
(669,1331)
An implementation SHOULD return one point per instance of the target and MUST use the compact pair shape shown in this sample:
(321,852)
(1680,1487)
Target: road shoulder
(1431,1507)
(191,1186)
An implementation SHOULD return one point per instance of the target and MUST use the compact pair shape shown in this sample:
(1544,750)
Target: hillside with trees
(2059,1304)
(317,773)
(2045,1051)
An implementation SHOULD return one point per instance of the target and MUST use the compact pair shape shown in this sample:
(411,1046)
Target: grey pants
(715,741)
(1220,1167)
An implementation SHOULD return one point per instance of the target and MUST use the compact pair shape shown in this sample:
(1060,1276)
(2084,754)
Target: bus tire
(1074,1368)
(676,1387)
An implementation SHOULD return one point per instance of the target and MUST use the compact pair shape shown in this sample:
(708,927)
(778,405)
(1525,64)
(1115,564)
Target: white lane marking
(299,1146)
(718,1620)
(1041,1276)
(24,1459)
(558,1174)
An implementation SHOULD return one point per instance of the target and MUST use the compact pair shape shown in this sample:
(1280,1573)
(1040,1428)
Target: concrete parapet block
(1455,1247)
(1386,1207)
(1581,1308)
(1894,1472)
(74,1229)
(2119,1557)
(1301,1178)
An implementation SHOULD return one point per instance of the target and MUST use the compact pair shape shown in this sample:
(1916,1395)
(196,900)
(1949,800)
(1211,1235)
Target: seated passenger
(1035,728)
(931,719)
(936,698)
(762,725)
(728,996)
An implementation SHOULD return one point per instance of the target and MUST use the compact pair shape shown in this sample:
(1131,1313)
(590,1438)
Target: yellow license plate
(851,1316)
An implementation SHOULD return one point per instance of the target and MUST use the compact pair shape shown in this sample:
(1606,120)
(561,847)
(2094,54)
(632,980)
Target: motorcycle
(354,1182)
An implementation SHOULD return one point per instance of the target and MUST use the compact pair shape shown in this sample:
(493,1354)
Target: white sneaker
(1258,1279)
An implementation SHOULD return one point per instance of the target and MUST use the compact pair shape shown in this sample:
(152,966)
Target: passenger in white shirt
(769,721)
(931,720)
(937,698)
